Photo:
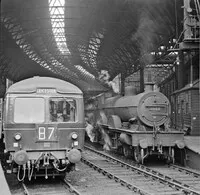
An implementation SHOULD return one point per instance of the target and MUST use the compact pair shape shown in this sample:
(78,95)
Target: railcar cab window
(29,110)
(62,110)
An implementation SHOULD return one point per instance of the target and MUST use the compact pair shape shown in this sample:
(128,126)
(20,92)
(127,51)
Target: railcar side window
(29,110)
(62,110)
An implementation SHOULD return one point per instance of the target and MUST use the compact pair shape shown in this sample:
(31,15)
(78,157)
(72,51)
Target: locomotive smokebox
(21,157)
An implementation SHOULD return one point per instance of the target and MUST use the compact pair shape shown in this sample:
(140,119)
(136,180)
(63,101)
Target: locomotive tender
(43,127)
(137,123)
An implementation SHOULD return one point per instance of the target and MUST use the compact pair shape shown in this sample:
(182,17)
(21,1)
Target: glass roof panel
(57,9)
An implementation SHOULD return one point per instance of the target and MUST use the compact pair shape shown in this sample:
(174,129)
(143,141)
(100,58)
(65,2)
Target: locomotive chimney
(148,86)
(130,90)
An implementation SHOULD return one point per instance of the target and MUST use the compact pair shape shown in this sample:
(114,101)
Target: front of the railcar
(44,127)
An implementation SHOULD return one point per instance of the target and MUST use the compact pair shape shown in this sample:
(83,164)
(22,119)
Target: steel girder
(122,33)
(37,43)
(113,35)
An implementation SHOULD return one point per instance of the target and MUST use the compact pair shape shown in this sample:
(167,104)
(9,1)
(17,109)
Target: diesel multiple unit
(43,127)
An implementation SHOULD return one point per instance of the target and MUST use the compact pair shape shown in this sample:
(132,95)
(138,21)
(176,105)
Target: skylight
(57,15)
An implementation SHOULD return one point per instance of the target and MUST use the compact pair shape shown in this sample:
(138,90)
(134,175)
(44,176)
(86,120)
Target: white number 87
(42,133)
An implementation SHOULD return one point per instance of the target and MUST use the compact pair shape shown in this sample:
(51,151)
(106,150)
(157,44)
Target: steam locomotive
(137,124)
(43,127)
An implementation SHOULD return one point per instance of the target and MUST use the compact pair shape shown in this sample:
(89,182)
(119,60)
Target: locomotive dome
(30,85)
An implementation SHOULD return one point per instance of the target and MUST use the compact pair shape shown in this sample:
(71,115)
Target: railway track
(138,178)
(112,176)
(52,188)
(186,177)
(102,185)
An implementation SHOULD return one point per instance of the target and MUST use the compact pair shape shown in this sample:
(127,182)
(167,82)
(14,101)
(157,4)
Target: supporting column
(191,69)
(141,79)
(2,86)
(180,71)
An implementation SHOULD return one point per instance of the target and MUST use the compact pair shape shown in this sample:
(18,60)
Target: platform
(192,151)
(193,143)
(3,183)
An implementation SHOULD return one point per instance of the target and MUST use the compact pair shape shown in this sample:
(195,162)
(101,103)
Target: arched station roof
(75,39)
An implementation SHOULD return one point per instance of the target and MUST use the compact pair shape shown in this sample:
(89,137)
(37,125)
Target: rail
(147,172)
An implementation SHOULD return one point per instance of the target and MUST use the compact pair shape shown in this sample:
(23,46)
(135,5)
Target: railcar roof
(31,84)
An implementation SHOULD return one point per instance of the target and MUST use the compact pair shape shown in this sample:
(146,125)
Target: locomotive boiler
(43,127)
(138,123)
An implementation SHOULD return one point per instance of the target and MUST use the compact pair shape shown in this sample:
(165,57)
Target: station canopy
(75,40)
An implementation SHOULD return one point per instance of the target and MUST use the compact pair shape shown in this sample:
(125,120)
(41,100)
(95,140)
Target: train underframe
(140,154)
(142,144)
(33,164)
